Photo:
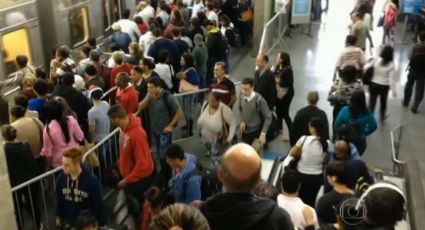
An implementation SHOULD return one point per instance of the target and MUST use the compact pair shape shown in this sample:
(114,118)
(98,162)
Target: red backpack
(390,16)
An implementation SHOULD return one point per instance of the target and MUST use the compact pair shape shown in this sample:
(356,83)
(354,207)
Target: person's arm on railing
(177,117)
(144,103)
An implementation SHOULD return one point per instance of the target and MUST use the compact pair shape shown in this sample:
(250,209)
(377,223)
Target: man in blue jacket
(356,167)
(186,188)
(77,189)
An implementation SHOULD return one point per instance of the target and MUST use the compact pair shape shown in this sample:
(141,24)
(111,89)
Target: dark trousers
(419,93)
(376,90)
(419,90)
(250,137)
(310,186)
(282,111)
(134,193)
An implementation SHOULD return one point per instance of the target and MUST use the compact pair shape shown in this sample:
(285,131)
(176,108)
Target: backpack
(273,130)
(350,132)
(28,74)
(233,37)
(210,184)
(390,16)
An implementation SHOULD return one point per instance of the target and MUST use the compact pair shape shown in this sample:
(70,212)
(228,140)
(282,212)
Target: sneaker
(414,110)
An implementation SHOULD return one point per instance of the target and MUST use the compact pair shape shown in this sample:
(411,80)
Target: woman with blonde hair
(135,54)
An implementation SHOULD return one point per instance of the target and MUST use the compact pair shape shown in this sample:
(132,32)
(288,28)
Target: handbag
(293,164)
(224,132)
(368,74)
(381,21)
(92,159)
(186,86)
(247,15)
(281,91)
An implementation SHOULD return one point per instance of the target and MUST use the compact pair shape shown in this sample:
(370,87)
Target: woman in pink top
(60,133)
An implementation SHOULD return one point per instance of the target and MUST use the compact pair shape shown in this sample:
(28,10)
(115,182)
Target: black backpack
(210,184)
(233,37)
(350,132)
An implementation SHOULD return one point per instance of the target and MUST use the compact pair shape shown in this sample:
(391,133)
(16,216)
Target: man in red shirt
(135,164)
(118,57)
(127,96)
(223,85)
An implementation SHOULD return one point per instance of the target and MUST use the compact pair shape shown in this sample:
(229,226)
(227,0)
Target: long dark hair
(319,125)
(387,54)
(357,103)
(54,111)
(285,58)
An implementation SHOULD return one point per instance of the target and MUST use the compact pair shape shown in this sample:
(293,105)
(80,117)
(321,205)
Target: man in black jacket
(217,49)
(303,117)
(264,82)
(237,207)
(416,74)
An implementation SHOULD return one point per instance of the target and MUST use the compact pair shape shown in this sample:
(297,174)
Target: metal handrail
(395,149)
(12,91)
(92,150)
(37,178)
(263,36)
(282,11)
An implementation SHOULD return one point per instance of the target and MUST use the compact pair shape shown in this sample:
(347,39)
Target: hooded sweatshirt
(135,161)
(128,99)
(244,211)
(81,194)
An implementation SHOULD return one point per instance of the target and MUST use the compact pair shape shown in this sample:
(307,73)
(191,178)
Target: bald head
(241,168)
(341,149)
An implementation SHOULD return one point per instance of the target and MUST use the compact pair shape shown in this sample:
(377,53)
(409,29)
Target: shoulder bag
(293,163)
(224,132)
(186,86)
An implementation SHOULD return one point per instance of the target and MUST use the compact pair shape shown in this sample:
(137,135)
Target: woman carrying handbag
(311,151)
(217,125)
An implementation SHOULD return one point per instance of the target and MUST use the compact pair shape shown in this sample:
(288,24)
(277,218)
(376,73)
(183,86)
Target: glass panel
(9,3)
(106,14)
(79,25)
(15,43)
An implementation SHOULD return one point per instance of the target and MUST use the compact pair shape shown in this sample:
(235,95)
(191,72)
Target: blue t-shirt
(192,76)
(37,104)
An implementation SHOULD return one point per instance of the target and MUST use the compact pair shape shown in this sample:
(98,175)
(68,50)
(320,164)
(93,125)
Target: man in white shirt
(302,215)
(211,15)
(198,6)
(351,55)
(129,27)
(146,11)
(145,41)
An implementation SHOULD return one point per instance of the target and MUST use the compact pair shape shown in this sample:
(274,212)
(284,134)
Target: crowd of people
(182,47)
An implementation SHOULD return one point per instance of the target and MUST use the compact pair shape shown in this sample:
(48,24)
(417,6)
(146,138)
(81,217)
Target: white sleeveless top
(294,206)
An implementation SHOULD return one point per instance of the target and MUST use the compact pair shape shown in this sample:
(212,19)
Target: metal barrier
(398,165)
(35,197)
(274,30)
